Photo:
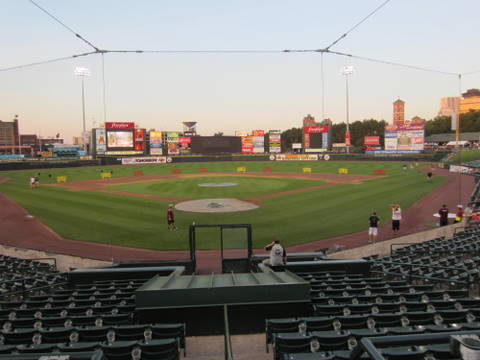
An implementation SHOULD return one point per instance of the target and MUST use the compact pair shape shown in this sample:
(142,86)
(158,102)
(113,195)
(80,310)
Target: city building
(449,105)
(398,112)
(9,133)
(470,101)
(77,140)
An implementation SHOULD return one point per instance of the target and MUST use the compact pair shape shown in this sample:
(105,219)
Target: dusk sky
(228,92)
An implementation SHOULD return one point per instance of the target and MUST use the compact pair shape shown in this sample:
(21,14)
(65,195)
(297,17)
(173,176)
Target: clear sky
(228,92)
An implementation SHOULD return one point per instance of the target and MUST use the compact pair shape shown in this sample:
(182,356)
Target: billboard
(156,143)
(100,141)
(119,139)
(119,125)
(315,129)
(371,140)
(296,157)
(259,143)
(258,133)
(139,136)
(316,138)
(407,137)
(173,147)
(274,141)
(144,160)
(247,144)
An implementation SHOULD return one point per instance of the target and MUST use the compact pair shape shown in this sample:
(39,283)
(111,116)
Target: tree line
(469,122)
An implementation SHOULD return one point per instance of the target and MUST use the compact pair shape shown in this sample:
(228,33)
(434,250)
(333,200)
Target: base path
(21,230)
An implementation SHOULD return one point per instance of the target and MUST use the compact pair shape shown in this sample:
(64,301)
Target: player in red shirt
(171,218)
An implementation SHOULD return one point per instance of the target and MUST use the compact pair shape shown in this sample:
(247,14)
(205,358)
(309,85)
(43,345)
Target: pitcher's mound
(215,205)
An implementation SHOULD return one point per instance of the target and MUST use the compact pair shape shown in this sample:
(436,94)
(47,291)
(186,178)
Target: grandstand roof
(467,136)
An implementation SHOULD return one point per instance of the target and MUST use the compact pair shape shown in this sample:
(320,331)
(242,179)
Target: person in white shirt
(278,255)
(396,217)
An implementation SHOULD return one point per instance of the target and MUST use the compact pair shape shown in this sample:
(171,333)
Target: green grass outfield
(189,188)
(295,218)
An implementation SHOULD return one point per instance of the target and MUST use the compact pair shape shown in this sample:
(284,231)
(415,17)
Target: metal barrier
(371,345)
(227,338)
(48,258)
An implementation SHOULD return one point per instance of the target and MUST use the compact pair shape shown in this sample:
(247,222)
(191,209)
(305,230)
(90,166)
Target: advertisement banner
(371,140)
(119,125)
(126,152)
(296,157)
(144,160)
(101,141)
(184,140)
(173,148)
(274,142)
(139,136)
(241,133)
(156,151)
(247,144)
(315,150)
(347,139)
(315,129)
(258,133)
(296,145)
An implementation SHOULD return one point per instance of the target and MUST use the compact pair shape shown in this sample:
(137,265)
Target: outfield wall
(113,160)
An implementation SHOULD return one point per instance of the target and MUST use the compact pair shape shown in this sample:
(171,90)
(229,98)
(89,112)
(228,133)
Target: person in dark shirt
(443,212)
(373,222)
(171,218)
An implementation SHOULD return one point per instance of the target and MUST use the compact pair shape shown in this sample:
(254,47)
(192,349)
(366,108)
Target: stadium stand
(419,302)
(412,305)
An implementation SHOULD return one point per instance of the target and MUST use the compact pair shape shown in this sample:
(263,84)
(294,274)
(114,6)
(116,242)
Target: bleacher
(411,306)
(42,315)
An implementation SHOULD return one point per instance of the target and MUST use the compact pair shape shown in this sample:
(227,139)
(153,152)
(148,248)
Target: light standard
(83,72)
(347,70)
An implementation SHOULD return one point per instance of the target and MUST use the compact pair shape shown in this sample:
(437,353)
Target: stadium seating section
(420,292)
(408,307)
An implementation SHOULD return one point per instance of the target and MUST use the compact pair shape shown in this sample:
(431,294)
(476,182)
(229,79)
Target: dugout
(199,300)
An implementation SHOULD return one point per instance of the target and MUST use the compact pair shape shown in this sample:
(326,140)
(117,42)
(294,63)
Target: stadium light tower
(346,71)
(83,72)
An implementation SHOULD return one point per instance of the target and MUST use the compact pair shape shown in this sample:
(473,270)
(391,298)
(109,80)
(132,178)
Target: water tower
(189,128)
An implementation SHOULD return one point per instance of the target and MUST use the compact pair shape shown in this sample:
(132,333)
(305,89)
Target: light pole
(347,70)
(83,72)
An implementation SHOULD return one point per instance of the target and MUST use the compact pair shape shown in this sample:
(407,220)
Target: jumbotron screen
(119,139)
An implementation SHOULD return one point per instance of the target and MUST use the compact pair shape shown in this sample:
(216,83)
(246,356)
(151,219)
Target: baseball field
(129,209)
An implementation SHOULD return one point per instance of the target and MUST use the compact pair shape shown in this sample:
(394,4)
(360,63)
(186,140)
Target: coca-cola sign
(120,125)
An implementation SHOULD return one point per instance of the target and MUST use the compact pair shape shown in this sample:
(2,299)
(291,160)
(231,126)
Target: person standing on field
(373,222)
(443,212)
(396,217)
(171,218)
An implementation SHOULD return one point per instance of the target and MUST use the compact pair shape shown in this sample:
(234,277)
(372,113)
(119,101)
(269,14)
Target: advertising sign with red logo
(371,140)
(120,125)
(315,129)
(139,136)
(347,139)
(247,144)
(184,140)
(258,133)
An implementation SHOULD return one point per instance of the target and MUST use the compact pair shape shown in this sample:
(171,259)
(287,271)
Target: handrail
(419,265)
(227,338)
(468,283)
(47,258)
(24,291)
